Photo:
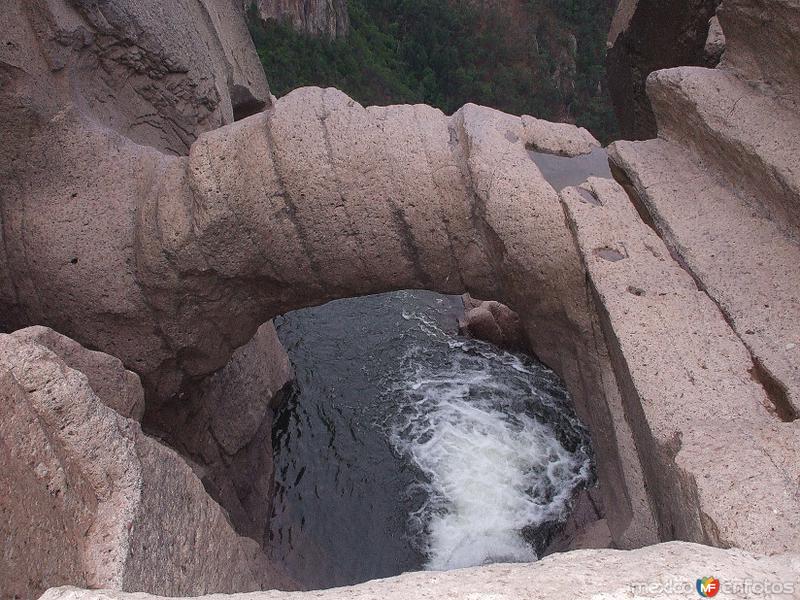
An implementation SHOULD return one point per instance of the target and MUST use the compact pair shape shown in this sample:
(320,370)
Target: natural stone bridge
(141,220)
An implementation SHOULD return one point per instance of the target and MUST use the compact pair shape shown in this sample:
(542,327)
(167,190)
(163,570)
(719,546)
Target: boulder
(562,139)
(492,322)
(114,385)
(93,501)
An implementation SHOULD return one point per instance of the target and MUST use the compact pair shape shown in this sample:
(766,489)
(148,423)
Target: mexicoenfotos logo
(708,587)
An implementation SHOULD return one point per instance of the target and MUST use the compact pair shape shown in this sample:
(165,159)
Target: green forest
(545,58)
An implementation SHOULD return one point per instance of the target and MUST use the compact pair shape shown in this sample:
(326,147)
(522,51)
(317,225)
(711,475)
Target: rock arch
(170,252)
(317,198)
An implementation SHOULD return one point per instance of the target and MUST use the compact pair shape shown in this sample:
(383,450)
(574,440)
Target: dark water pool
(404,446)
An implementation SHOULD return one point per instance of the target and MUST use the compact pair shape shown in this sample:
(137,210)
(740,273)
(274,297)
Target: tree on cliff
(543,58)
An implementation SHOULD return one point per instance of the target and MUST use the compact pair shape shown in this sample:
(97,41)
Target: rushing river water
(404,446)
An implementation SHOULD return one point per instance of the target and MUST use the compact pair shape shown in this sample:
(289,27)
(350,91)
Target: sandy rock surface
(667,571)
(93,501)
(689,395)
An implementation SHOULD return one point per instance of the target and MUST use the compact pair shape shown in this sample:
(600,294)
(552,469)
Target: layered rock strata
(328,18)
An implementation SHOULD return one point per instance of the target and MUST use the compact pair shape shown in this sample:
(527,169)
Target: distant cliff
(326,18)
(539,57)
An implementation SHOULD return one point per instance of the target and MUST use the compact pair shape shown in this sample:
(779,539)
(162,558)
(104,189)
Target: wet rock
(492,322)
(585,527)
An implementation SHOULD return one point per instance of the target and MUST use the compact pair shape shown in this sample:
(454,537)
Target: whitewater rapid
(404,446)
(493,469)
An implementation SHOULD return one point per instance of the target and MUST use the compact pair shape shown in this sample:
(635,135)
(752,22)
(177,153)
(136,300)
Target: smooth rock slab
(720,468)
(667,571)
(741,258)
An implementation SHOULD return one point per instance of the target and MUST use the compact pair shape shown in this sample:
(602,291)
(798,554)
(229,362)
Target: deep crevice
(774,389)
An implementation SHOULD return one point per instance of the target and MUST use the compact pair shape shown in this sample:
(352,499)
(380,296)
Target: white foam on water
(491,470)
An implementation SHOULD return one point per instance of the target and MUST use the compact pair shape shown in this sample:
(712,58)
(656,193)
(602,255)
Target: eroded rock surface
(134,223)
(92,501)
(721,186)
(645,36)
(225,430)
(160,74)
(698,417)
(328,18)
(667,571)
(116,387)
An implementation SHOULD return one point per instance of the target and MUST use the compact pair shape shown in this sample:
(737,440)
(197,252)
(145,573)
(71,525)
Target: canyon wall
(645,36)
(143,216)
(328,18)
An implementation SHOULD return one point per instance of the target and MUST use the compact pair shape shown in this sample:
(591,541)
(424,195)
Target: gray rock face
(328,18)
(666,571)
(645,36)
(92,501)
(225,430)
(158,74)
